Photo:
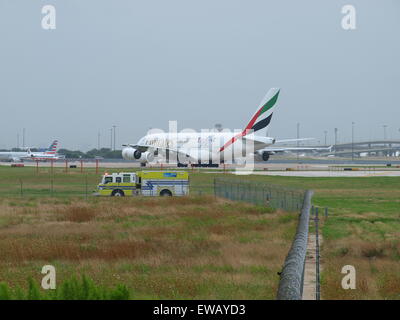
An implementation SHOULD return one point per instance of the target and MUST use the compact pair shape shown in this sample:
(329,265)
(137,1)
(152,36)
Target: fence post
(215,190)
(86,187)
(317,277)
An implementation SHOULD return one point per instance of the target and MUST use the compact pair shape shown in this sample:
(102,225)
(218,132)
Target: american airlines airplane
(214,148)
(49,154)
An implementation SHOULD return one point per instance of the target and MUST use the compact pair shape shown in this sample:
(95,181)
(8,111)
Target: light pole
(23,138)
(298,142)
(326,132)
(336,130)
(98,140)
(384,132)
(114,126)
(352,141)
(111,139)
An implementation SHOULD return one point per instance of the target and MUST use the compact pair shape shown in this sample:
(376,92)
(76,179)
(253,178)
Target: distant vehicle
(49,154)
(200,147)
(145,183)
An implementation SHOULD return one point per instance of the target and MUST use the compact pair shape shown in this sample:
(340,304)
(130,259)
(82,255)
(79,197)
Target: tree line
(91,154)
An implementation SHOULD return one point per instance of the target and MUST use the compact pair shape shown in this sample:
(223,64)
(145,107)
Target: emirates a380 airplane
(211,148)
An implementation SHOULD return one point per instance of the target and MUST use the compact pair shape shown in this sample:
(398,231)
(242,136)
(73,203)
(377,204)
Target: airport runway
(315,174)
(276,167)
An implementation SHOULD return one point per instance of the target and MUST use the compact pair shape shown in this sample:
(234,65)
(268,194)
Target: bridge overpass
(382,148)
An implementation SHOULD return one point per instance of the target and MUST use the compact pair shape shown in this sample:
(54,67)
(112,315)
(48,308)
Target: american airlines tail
(53,148)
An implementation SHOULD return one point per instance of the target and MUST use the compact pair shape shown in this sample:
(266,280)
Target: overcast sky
(138,64)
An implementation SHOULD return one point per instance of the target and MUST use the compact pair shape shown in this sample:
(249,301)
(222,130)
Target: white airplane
(49,154)
(212,148)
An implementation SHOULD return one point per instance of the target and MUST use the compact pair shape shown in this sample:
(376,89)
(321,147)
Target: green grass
(195,247)
(362,229)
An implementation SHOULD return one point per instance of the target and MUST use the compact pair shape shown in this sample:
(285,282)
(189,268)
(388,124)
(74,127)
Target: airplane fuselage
(12,156)
(204,146)
(212,140)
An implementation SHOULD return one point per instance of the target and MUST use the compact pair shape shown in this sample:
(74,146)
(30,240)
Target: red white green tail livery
(261,118)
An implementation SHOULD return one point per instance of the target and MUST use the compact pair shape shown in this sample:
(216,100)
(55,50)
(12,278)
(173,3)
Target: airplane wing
(294,140)
(283,149)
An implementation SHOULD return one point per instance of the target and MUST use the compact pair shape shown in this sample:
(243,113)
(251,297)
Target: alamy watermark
(49,280)
(49,18)
(349,19)
(349,280)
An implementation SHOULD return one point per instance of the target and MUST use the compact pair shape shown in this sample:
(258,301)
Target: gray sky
(138,64)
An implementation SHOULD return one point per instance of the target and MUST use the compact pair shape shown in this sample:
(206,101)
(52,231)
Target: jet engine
(265,155)
(130,153)
(146,157)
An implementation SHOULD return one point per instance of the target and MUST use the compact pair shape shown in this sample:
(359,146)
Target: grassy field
(197,247)
(362,230)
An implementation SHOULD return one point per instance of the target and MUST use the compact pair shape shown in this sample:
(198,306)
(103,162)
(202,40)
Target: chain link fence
(45,186)
(277,197)
(262,194)
(83,186)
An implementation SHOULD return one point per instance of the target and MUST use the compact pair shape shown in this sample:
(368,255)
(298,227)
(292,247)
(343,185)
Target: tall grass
(161,248)
(71,289)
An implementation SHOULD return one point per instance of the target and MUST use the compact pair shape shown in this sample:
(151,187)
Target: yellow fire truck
(145,183)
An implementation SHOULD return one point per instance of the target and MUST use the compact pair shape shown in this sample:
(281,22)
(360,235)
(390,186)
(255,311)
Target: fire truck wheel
(165,193)
(117,193)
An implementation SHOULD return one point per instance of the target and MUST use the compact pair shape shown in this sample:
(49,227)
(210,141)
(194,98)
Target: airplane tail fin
(262,117)
(53,148)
